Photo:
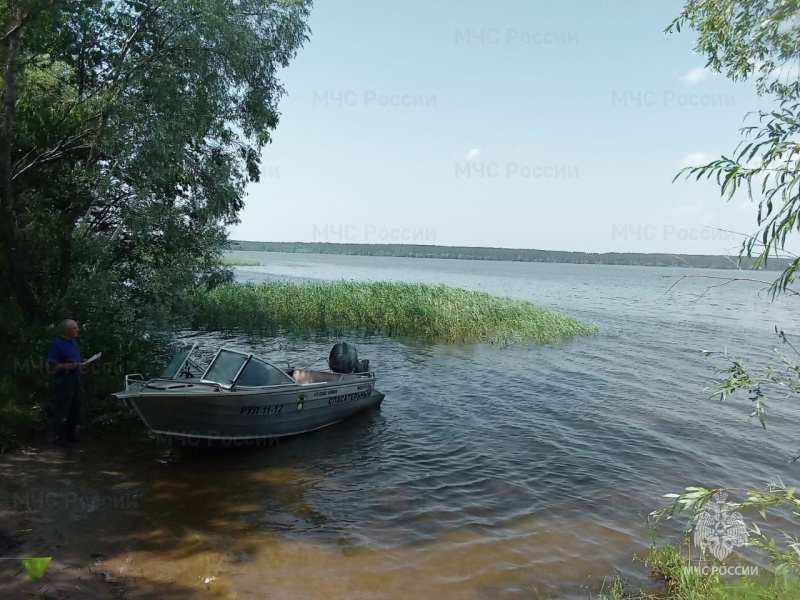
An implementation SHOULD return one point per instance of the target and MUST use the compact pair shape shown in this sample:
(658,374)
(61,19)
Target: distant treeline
(509,254)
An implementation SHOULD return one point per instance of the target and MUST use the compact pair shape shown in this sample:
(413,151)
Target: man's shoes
(61,442)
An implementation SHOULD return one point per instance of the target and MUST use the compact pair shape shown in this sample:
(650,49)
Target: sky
(512,124)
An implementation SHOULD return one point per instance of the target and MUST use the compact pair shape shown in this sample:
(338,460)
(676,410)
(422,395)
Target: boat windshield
(176,363)
(225,367)
(258,373)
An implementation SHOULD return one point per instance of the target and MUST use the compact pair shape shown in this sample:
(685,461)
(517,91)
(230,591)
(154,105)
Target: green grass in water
(740,588)
(404,310)
(230,261)
(670,567)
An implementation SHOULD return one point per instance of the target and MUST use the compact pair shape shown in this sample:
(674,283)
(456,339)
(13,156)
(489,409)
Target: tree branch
(727,280)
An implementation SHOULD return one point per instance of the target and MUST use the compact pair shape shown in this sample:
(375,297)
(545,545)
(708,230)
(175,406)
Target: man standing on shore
(64,361)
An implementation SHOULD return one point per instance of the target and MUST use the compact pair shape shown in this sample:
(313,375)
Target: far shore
(696,261)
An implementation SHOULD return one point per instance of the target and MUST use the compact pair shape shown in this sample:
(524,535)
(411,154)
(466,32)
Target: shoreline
(654,259)
(53,503)
(40,516)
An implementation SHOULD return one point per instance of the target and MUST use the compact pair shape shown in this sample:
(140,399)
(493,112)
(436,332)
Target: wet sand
(91,528)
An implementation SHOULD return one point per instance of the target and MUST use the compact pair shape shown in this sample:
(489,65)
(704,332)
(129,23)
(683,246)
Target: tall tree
(130,130)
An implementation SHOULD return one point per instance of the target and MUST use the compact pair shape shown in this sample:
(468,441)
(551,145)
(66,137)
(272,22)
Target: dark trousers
(67,406)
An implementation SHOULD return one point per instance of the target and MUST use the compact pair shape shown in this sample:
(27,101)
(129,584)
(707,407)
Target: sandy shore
(65,504)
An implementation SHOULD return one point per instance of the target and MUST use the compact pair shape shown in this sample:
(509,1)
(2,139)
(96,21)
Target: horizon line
(439,246)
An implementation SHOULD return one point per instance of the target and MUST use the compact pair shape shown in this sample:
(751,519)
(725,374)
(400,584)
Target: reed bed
(230,261)
(402,310)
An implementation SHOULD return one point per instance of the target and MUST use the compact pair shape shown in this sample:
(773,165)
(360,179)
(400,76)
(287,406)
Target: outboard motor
(344,359)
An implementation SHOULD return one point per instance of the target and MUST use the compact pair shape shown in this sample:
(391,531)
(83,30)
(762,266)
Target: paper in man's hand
(94,358)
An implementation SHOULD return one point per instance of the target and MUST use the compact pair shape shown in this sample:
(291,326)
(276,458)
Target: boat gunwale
(269,390)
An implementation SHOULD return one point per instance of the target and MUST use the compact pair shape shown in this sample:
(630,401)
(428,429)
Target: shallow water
(488,472)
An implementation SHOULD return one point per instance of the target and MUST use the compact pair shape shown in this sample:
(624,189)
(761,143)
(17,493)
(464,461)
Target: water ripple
(496,472)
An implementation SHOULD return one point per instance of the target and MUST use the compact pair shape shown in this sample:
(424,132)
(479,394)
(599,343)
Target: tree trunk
(9,233)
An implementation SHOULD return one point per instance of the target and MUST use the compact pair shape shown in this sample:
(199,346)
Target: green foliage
(132,339)
(20,415)
(785,380)
(757,39)
(433,313)
(613,591)
(138,126)
(785,560)
(754,38)
(671,568)
(129,131)
(755,589)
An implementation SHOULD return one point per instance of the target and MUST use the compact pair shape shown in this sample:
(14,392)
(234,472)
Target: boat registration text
(261,410)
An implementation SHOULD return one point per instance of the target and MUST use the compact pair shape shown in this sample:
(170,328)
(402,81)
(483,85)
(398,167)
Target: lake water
(489,472)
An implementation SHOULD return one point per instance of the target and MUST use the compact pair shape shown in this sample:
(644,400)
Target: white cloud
(695,75)
(473,153)
(696,159)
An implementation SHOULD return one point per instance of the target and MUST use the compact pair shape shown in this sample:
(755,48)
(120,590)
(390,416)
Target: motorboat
(242,397)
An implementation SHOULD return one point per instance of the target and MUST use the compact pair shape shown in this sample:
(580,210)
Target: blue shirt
(64,351)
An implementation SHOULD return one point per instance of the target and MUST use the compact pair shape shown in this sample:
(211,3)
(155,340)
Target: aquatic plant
(230,261)
(404,310)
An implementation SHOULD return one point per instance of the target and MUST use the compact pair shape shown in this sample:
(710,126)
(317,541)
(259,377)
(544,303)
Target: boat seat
(306,376)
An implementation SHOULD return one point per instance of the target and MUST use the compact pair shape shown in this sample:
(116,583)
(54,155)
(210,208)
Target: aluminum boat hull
(280,403)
